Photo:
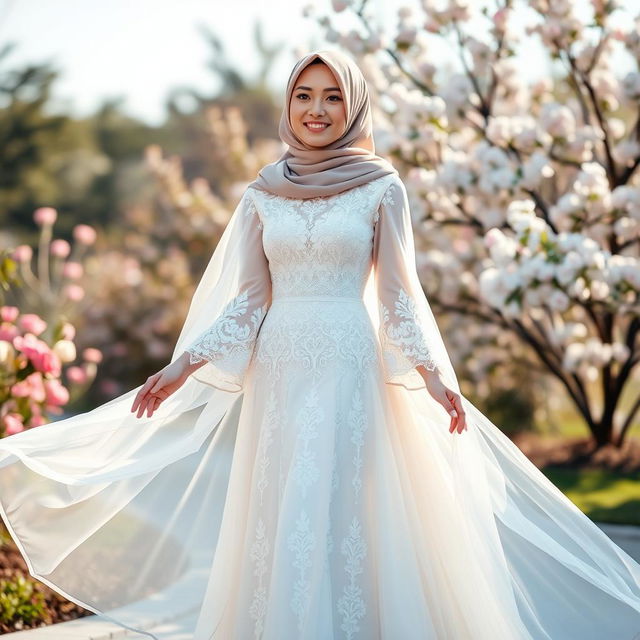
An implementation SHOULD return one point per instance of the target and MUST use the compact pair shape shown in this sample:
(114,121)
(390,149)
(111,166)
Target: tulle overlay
(303,484)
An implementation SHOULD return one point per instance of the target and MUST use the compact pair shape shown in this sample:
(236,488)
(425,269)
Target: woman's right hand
(161,385)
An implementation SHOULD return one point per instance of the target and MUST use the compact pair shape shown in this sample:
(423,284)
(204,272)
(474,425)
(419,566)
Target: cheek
(339,115)
(294,114)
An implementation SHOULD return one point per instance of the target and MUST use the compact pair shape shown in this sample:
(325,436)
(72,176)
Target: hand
(160,386)
(448,398)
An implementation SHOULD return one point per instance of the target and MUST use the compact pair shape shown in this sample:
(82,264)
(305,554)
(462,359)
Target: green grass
(603,495)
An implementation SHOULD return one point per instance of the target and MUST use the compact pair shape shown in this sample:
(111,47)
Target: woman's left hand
(448,398)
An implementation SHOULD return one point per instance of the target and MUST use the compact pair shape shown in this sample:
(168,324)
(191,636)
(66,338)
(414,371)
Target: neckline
(324,198)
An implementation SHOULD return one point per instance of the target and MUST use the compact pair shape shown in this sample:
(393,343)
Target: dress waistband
(351,299)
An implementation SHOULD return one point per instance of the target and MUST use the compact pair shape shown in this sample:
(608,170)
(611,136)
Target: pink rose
(84,234)
(74,292)
(91,354)
(40,354)
(22,253)
(32,323)
(8,331)
(77,375)
(13,423)
(37,420)
(31,387)
(68,331)
(60,248)
(48,362)
(72,270)
(57,394)
(9,314)
(52,408)
(45,216)
(21,389)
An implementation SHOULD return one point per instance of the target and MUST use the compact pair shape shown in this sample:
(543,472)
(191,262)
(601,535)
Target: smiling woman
(316,111)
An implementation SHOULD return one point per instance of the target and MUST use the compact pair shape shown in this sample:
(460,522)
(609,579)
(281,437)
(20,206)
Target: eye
(302,96)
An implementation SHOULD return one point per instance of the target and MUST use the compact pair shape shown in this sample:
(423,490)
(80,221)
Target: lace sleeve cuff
(404,346)
(227,345)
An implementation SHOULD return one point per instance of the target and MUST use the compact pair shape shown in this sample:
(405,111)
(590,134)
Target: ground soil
(579,453)
(59,609)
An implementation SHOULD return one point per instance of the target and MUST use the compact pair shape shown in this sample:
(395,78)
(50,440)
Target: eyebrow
(310,89)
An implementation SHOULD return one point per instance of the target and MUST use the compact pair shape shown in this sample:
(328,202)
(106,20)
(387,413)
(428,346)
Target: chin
(315,142)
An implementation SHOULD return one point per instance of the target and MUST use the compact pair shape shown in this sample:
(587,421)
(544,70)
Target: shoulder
(394,191)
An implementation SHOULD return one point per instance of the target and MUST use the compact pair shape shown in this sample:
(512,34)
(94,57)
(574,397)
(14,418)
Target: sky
(142,49)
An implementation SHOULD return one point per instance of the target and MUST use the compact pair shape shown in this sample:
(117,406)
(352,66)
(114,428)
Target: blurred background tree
(159,198)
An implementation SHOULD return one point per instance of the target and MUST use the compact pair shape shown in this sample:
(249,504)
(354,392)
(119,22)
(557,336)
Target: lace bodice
(321,248)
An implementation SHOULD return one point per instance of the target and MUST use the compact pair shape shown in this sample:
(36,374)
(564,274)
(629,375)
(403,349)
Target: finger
(454,415)
(463,417)
(157,387)
(142,407)
(147,398)
(153,405)
(137,399)
(454,422)
(144,404)
(143,391)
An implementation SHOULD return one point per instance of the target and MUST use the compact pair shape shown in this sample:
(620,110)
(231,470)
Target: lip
(318,130)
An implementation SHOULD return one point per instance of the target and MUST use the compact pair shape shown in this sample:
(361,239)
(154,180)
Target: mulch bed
(59,609)
(579,453)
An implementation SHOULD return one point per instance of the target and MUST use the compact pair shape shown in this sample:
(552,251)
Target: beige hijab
(308,172)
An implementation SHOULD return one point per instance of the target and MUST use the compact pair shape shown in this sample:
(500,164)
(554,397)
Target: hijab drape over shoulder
(304,171)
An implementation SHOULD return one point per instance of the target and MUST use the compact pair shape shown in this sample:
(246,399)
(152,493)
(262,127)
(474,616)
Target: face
(317,98)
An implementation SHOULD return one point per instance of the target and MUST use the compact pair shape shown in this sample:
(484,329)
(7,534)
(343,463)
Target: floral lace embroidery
(386,201)
(320,246)
(270,424)
(300,335)
(351,604)
(259,553)
(302,542)
(305,469)
(358,423)
(404,345)
(252,210)
(225,338)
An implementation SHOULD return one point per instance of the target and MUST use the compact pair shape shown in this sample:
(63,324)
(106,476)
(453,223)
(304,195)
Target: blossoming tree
(525,190)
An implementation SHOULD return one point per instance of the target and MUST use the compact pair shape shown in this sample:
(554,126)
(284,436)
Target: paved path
(93,628)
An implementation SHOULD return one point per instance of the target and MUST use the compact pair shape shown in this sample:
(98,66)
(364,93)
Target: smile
(316,126)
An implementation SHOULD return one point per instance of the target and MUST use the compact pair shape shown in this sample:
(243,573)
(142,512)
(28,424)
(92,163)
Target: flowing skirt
(319,503)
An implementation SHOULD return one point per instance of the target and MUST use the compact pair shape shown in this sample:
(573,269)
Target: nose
(316,108)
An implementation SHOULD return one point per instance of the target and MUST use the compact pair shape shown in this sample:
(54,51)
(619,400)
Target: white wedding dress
(303,484)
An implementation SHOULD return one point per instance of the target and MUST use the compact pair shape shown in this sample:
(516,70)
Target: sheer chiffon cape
(122,514)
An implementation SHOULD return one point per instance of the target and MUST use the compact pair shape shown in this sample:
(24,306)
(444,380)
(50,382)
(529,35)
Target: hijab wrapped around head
(304,171)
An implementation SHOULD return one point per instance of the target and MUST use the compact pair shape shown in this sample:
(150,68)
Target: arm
(403,340)
(227,309)
(226,345)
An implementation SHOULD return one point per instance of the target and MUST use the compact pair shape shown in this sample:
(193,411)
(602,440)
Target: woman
(294,476)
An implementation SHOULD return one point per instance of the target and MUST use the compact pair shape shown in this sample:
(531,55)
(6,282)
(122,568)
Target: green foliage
(605,496)
(512,409)
(8,274)
(19,600)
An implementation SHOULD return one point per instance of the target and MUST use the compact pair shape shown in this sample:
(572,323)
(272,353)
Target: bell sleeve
(227,343)
(402,332)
